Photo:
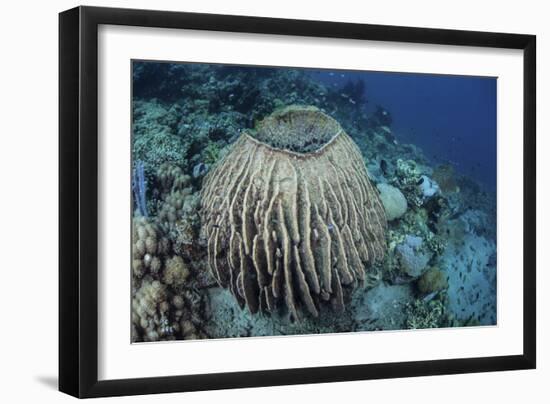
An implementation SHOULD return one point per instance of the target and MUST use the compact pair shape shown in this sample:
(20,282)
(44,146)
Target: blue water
(452,118)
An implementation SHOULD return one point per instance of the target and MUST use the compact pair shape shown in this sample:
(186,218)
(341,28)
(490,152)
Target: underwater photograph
(273,201)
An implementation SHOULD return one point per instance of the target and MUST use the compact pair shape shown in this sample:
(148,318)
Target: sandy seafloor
(440,267)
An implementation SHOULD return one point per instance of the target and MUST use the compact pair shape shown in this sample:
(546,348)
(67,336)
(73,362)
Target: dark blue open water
(452,118)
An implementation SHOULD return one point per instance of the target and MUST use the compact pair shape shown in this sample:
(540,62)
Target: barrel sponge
(290,216)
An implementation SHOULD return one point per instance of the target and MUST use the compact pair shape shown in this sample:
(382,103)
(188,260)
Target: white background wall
(28,201)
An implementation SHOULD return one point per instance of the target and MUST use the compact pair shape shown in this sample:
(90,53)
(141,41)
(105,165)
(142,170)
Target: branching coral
(290,215)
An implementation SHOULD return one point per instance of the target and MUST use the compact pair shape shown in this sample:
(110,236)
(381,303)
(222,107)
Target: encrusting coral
(290,215)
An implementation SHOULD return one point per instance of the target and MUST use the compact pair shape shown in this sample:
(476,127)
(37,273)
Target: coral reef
(290,214)
(190,121)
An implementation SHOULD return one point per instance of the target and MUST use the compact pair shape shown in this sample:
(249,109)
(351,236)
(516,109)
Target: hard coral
(150,311)
(148,247)
(393,200)
(171,177)
(421,314)
(290,214)
(407,177)
(155,140)
(158,314)
(172,208)
(412,256)
(176,271)
(433,280)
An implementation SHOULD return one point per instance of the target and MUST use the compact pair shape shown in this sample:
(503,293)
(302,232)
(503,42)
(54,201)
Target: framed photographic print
(250,201)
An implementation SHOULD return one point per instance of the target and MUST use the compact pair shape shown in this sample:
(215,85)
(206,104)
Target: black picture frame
(78,201)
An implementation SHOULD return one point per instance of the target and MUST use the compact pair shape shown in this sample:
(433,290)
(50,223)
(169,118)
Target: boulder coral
(290,216)
(433,280)
(393,200)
